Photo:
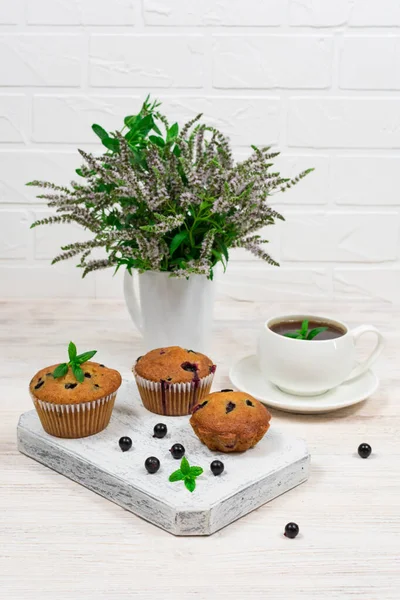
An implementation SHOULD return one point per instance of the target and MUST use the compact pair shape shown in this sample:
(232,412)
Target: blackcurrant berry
(291,530)
(217,467)
(125,443)
(160,430)
(364,450)
(187,366)
(177,450)
(152,464)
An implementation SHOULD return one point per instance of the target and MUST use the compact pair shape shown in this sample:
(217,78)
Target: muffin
(171,381)
(73,403)
(229,421)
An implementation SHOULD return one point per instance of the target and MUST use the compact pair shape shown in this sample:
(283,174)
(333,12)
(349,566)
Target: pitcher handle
(131,301)
(365,365)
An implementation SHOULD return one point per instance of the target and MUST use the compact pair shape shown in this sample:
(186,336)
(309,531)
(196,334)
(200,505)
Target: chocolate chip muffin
(70,408)
(229,421)
(172,380)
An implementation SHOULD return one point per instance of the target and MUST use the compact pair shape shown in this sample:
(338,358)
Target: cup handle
(132,302)
(365,365)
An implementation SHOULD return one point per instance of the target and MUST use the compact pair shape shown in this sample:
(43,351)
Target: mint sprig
(187,474)
(304,333)
(75,362)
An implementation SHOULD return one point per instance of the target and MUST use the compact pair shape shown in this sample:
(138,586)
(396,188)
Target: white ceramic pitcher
(171,311)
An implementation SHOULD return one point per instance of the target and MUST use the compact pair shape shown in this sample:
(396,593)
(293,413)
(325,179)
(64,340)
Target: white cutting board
(278,463)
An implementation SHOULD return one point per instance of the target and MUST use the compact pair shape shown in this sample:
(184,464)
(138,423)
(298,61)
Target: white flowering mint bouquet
(161,198)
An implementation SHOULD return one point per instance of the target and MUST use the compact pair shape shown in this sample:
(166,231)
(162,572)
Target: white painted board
(278,463)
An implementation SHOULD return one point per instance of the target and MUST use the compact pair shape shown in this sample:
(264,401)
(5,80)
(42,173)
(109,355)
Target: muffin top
(98,381)
(229,412)
(174,365)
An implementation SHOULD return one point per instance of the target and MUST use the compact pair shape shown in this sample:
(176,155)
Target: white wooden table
(60,541)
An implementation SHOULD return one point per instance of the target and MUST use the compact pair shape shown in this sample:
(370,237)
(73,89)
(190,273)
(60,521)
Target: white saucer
(245,376)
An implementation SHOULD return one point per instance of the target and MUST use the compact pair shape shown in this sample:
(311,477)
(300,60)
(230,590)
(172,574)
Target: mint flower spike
(187,474)
(75,360)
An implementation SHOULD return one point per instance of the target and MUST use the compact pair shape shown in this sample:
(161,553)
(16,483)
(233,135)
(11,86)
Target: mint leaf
(60,371)
(185,467)
(190,483)
(187,473)
(71,351)
(100,132)
(304,328)
(177,241)
(78,373)
(176,151)
(224,249)
(158,141)
(172,132)
(316,331)
(111,144)
(176,476)
(130,121)
(293,334)
(195,471)
(81,358)
(156,129)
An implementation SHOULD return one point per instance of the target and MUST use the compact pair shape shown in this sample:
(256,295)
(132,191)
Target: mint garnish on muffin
(187,474)
(75,362)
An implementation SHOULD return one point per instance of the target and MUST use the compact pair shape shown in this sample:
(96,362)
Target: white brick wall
(318,79)
(272,61)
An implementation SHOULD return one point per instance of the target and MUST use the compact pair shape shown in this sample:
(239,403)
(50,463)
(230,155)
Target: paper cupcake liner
(172,399)
(75,420)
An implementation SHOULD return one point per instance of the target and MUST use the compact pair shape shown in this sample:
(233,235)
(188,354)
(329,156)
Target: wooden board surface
(60,541)
(277,464)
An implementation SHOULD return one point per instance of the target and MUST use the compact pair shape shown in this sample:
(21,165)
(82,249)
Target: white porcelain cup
(310,368)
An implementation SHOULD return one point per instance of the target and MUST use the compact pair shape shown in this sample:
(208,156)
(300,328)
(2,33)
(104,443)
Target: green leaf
(195,471)
(190,483)
(293,334)
(111,144)
(145,125)
(60,371)
(130,121)
(132,137)
(176,151)
(182,173)
(177,240)
(304,328)
(316,331)
(156,129)
(158,141)
(172,132)
(176,476)
(185,467)
(100,132)
(204,204)
(217,254)
(224,249)
(81,358)
(71,351)
(78,373)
